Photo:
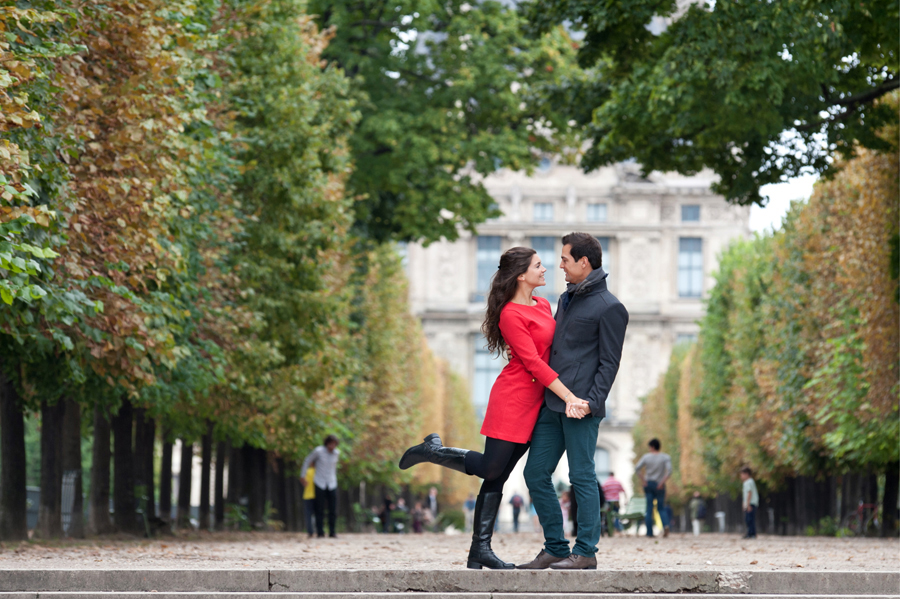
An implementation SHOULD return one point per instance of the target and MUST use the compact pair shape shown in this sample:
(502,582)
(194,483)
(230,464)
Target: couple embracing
(549,398)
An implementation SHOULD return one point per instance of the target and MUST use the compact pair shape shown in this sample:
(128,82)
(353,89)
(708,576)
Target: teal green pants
(554,434)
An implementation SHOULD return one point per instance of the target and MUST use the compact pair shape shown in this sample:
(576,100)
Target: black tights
(496,463)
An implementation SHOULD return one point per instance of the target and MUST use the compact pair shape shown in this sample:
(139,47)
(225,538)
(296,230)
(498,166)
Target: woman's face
(534,276)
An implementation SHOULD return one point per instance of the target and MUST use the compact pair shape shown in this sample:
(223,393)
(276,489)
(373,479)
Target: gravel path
(444,551)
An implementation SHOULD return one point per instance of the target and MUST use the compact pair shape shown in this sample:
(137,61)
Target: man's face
(575,270)
(744,476)
(330,447)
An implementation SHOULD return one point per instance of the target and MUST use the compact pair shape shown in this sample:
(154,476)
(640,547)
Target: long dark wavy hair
(513,262)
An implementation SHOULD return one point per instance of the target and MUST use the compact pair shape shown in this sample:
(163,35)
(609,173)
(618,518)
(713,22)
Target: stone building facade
(660,238)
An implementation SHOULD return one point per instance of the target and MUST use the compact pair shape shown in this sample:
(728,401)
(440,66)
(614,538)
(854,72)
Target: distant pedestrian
(325,459)
(697,508)
(418,517)
(469,511)
(657,468)
(516,502)
(613,490)
(431,503)
(750,500)
(309,500)
(387,520)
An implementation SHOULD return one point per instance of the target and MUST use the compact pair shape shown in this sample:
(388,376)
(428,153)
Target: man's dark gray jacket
(587,344)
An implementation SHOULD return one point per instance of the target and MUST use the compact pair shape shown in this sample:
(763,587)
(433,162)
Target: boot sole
(478,566)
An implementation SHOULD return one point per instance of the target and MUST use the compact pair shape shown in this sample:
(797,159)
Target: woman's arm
(521,344)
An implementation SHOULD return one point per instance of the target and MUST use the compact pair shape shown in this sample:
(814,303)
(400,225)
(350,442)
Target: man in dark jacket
(587,347)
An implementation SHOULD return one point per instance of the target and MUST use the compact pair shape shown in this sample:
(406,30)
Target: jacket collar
(594,281)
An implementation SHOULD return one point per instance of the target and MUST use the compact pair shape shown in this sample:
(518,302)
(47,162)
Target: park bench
(634,513)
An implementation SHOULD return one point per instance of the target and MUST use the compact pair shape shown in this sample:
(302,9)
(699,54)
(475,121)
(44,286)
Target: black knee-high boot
(433,451)
(480,554)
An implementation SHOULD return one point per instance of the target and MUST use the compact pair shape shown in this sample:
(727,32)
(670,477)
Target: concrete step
(444,582)
(407,595)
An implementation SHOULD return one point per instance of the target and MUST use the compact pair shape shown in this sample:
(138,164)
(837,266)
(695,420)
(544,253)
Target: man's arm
(639,470)
(612,337)
(668,473)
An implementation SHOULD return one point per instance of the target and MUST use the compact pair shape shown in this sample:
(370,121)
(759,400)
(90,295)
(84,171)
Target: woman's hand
(577,408)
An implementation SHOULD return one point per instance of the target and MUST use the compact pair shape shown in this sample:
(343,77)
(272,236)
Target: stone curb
(448,582)
(136,595)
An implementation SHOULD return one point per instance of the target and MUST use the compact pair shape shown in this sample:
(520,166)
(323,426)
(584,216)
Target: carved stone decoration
(714,212)
(639,259)
(667,214)
(447,269)
(571,200)
(515,200)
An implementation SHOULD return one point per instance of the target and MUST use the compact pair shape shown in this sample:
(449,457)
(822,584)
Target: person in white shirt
(657,468)
(750,501)
(325,459)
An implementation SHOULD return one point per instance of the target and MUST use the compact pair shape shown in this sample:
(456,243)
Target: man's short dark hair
(330,439)
(654,443)
(611,474)
(585,244)
(746,470)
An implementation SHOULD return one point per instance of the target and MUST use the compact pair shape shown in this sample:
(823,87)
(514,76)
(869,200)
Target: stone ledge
(448,582)
(409,595)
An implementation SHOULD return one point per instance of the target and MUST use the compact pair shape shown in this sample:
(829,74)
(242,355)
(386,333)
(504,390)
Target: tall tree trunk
(235,475)
(255,483)
(123,463)
(147,466)
(206,459)
(50,509)
(13,496)
(184,484)
(71,463)
(219,490)
(144,437)
(99,522)
(889,503)
(165,479)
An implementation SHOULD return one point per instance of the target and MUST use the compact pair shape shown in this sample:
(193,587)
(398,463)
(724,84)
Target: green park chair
(634,513)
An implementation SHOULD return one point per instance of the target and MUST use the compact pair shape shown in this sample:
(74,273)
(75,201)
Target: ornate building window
(604,245)
(596,213)
(487,259)
(543,212)
(685,338)
(690,213)
(546,249)
(487,369)
(690,267)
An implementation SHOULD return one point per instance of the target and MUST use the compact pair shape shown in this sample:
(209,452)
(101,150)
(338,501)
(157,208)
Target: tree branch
(852,103)
(872,94)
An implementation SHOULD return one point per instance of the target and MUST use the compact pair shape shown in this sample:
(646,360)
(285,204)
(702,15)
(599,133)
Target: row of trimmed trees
(795,372)
(179,259)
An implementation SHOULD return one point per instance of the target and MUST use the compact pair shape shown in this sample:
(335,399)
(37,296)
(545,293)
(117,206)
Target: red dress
(518,392)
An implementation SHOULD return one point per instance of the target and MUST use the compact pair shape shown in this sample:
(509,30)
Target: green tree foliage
(175,231)
(796,368)
(757,91)
(448,92)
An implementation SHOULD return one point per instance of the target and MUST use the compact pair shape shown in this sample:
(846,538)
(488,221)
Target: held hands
(577,408)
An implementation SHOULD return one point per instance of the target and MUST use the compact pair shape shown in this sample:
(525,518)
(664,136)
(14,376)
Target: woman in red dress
(522,327)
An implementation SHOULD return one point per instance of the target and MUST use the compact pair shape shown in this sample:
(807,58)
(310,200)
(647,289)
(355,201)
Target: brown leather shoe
(576,562)
(542,561)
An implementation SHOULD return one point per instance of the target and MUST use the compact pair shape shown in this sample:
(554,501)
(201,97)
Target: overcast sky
(780,197)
